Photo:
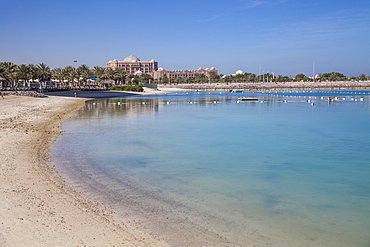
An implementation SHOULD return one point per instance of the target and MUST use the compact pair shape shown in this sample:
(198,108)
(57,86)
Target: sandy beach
(37,207)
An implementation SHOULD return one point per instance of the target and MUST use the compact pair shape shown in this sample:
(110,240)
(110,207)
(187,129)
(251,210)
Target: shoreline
(38,208)
(281,86)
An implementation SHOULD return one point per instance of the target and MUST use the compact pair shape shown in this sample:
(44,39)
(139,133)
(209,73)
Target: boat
(330,99)
(237,91)
(248,98)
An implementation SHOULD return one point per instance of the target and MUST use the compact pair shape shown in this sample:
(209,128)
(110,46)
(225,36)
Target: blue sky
(281,36)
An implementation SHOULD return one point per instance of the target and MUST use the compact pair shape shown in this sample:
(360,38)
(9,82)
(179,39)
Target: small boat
(237,91)
(248,99)
(330,99)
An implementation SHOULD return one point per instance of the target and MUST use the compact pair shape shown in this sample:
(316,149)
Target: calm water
(202,169)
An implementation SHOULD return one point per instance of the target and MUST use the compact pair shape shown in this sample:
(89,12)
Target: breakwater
(24,93)
(281,86)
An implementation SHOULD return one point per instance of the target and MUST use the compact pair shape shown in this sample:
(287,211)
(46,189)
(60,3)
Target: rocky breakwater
(24,93)
(272,86)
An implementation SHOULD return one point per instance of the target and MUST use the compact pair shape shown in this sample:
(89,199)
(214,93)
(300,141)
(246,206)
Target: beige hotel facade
(133,65)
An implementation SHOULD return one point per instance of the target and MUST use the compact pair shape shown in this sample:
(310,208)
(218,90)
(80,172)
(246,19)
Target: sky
(284,37)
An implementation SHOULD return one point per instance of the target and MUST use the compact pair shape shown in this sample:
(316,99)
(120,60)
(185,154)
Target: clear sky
(281,36)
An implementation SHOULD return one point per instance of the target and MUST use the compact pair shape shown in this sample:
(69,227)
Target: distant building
(133,65)
(238,72)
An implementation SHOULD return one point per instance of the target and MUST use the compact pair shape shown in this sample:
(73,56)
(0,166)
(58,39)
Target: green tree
(120,76)
(71,75)
(213,76)
(164,79)
(201,78)
(362,77)
(24,73)
(250,77)
(59,74)
(333,76)
(9,72)
(146,78)
(43,72)
(33,71)
(111,73)
(84,71)
(98,72)
(300,77)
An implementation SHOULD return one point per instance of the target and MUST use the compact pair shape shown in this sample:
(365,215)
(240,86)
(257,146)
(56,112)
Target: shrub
(134,88)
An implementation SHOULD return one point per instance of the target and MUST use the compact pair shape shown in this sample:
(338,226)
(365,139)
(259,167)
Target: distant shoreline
(166,88)
(342,85)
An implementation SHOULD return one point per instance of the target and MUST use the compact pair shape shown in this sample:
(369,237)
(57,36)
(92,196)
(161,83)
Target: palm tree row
(25,74)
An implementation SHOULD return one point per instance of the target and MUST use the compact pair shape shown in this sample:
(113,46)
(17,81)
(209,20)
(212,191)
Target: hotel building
(133,65)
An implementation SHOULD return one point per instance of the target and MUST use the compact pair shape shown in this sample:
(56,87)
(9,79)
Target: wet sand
(38,208)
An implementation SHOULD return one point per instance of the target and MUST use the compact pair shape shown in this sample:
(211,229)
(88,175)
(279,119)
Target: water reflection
(134,106)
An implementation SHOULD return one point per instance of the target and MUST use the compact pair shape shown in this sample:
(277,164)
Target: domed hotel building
(133,65)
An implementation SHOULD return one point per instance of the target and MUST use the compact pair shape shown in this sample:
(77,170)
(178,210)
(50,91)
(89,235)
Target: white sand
(37,208)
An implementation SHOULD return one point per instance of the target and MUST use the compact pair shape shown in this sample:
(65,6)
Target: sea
(291,168)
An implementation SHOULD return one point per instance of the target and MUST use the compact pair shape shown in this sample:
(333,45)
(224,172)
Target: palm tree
(9,72)
(110,73)
(251,77)
(164,79)
(33,72)
(146,78)
(43,72)
(98,72)
(24,73)
(70,74)
(83,71)
(201,78)
(2,70)
(120,76)
(213,76)
(58,74)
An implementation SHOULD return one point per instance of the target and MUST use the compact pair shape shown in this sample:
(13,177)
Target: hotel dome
(131,58)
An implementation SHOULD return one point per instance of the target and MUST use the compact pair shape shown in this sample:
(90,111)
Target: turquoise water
(202,168)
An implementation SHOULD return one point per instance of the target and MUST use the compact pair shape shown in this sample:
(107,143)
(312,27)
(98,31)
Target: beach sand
(37,207)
